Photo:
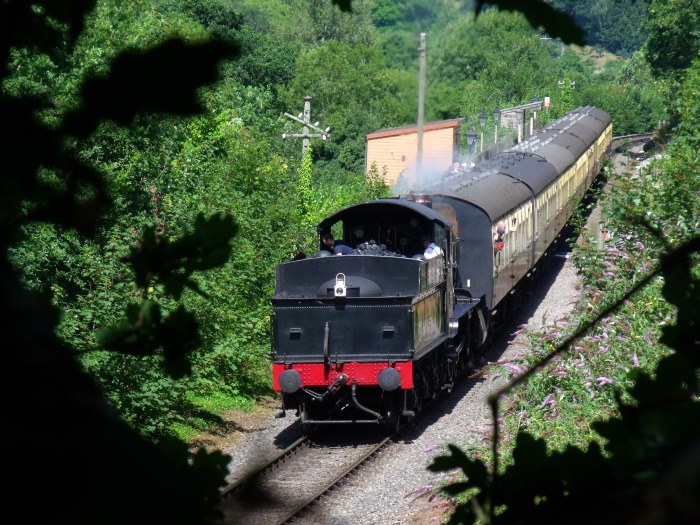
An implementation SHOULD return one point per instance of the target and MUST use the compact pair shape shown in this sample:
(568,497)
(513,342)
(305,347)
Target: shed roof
(407,130)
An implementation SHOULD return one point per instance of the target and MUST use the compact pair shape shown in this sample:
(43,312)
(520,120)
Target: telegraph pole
(305,120)
(421,102)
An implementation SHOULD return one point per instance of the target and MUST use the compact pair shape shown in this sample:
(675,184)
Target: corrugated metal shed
(395,149)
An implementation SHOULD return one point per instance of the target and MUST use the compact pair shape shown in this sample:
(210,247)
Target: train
(372,336)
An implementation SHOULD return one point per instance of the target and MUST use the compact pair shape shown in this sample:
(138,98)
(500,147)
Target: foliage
(629,93)
(301,24)
(616,26)
(674,36)
(643,451)
(494,60)
(352,94)
(674,29)
(539,15)
(48,180)
(305,196)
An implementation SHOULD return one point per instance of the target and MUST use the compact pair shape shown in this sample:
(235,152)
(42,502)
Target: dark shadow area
(289,435)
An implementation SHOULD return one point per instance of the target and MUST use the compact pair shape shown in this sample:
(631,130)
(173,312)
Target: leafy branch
(651,447)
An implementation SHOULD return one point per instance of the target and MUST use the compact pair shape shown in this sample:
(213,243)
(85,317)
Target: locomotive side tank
(368,337)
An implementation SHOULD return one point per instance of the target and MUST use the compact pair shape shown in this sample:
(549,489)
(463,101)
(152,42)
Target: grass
(209,413)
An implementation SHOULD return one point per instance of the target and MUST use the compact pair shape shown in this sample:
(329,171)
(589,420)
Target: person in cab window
(498,242)
(336,247)
(431,249)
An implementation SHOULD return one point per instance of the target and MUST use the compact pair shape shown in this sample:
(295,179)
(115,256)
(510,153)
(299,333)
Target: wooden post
(421,103)
(306,124)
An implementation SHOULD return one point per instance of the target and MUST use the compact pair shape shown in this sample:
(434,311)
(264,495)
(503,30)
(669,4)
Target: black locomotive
(369,337)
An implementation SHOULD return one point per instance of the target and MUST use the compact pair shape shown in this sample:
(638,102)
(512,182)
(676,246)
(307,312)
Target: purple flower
(558,372)
(640,246)
(603,381)
(549,400)
(513,368)
(635,360)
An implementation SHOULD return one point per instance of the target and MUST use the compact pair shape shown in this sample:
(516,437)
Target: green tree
(47,180)
(674,36)
(628,91)
(496,59)
(614,25)
(353,94)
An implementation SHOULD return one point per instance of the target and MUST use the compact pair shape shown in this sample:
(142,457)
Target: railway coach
(370,336)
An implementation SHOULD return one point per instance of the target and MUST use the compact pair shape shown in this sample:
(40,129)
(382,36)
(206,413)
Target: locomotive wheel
(392,413)
(306,428)
(417,397)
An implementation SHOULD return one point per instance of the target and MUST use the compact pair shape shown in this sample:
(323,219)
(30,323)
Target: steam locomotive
(369,337)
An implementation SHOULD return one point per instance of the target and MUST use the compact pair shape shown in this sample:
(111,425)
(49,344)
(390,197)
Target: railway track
(284,487)
(625,142)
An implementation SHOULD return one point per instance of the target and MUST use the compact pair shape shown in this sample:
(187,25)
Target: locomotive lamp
(340,288)
(482,122)
(471,140)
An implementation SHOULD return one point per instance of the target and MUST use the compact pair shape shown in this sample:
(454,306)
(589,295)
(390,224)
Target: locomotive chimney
(424,199)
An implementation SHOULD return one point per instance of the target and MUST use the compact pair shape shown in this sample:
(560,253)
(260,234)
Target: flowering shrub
(601,420)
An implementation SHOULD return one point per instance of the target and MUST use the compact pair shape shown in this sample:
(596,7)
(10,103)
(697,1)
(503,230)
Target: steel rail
(313,498)
(282,496)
